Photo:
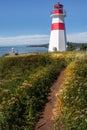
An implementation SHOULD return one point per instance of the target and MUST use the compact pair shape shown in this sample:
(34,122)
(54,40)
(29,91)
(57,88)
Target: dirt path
(47,122)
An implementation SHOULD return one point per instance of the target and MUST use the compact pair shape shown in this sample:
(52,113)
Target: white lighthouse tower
(58,36)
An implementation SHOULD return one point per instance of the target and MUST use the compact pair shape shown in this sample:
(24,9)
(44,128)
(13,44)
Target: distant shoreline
(21,49)
(43,45)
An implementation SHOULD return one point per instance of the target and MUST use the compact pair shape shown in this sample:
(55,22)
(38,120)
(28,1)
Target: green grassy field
(73,96)
(25,82)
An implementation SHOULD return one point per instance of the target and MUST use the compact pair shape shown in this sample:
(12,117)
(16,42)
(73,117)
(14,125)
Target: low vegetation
(72,101)
(25,83)
(76,46)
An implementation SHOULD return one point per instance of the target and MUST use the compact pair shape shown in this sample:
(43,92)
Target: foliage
(6,54)
(73,113)
(83,47)
(71,46)
(24,85)
(76,46)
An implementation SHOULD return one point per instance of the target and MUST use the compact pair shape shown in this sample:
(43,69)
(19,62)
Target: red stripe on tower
(58,26)
(60,11)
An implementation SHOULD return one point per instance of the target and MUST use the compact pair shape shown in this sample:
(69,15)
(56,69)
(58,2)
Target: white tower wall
(57,41)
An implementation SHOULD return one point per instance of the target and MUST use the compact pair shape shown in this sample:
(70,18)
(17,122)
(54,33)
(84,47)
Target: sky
(29,22)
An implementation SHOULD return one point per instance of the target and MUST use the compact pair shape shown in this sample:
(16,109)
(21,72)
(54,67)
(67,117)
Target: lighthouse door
(54,49)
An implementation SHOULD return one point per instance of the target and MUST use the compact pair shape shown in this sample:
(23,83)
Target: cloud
(40,39)
(77,37)
(25,40)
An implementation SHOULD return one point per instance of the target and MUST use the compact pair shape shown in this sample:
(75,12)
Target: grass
(72,96)
(25,84)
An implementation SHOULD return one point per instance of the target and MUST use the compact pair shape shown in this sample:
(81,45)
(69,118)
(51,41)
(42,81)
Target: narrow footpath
(47,120)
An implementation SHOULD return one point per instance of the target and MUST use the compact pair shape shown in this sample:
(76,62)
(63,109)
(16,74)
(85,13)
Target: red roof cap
(58,5)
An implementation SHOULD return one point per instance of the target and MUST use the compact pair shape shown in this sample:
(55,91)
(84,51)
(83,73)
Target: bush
(6,54)
(24,87)
(73,114)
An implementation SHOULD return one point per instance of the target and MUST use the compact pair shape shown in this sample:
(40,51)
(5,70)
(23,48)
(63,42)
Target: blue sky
(29,22)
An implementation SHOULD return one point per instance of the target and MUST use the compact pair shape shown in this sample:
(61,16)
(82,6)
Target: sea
(20,49)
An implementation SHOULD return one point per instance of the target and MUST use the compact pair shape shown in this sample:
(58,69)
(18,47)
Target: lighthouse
(57,40)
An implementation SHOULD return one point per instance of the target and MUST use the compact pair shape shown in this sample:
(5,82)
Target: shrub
(27,82)
(73,114)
